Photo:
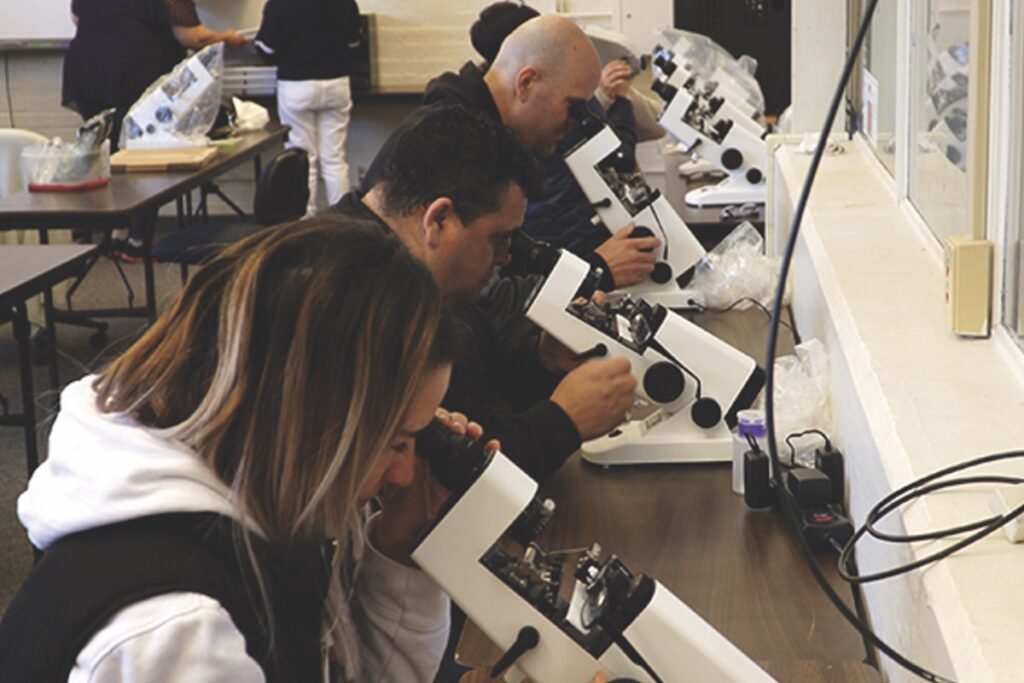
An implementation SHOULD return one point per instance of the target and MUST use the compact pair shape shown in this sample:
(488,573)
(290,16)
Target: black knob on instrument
(662,272)
(527,639)
(664,382)
(732,158)
(706,412)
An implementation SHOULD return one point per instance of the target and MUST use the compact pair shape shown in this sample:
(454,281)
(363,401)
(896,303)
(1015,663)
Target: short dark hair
(456,152)
(494,24)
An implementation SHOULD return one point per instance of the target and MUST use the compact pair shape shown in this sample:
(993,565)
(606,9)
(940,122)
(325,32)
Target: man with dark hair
(454,188)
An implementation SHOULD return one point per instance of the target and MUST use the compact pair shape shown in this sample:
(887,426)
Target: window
(878,85)
(1009,137)
(939,184)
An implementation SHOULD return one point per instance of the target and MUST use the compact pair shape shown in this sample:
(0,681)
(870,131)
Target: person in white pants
(311,42)
(318,112)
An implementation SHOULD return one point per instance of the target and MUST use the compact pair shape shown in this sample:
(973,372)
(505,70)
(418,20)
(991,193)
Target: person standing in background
(311,43)
(120,47)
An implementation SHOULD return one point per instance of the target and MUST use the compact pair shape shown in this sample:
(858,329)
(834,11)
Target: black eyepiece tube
(455,460)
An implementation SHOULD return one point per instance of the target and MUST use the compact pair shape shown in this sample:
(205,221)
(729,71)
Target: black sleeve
(492,388)
(272,39)
(350,28)
(181,12)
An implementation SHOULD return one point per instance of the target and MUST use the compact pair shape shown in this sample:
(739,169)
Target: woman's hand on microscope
(597,395)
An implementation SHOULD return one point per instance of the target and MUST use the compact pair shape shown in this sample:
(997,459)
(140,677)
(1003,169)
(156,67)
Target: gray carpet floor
(101,288)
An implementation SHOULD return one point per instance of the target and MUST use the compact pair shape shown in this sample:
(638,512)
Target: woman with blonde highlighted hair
(200,510)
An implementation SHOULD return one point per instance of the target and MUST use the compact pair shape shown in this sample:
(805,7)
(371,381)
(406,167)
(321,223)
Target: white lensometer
(481,549)
(697,381)
(623,197)
(706,122)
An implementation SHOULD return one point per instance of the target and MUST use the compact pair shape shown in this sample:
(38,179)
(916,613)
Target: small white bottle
(750,422)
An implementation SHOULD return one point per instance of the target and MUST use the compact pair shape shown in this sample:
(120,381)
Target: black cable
(773,332)
(746,299)
(634,656)
(664,235)
(921,487)
(797,435)
(941,533)
(7,88)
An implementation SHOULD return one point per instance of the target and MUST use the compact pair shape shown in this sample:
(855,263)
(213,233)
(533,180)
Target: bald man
(541,69)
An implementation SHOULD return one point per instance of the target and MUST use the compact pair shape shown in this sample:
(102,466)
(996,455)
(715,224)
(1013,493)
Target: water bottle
(750,422)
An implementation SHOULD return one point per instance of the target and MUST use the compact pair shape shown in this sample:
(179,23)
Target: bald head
(541,68)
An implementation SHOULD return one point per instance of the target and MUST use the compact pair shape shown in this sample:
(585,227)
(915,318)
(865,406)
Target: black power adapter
(824,527)
(830,461)
(816,494)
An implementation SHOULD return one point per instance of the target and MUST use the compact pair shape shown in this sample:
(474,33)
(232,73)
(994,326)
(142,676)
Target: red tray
(77,187)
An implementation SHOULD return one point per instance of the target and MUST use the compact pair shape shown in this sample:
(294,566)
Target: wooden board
(175,159)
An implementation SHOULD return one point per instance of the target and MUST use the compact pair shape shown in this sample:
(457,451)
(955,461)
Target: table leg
(51,340)
(23,337)
(143,222)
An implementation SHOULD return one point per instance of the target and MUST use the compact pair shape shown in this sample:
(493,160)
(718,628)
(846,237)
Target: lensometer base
(732,190)
(667,440)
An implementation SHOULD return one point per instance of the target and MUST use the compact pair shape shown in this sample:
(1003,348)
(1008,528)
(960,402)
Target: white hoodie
(106,468)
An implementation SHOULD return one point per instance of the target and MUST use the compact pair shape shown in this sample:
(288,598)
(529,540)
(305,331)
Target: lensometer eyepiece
(455,460)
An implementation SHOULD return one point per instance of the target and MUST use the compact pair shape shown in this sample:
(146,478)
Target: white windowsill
(909,398)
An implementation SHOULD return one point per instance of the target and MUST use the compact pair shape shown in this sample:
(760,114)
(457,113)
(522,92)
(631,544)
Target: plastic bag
(178,108)
(735,269)
(249,115)
(802,400)
(82,163)
(711,62)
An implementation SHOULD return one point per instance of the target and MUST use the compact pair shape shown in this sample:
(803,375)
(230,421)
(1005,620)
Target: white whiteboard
(36,20)
(46,20)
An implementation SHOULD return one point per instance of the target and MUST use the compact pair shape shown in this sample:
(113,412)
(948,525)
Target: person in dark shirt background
(120,47)
(311,42)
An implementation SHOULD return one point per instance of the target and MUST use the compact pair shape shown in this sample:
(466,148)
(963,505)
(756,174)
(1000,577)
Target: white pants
(318,112)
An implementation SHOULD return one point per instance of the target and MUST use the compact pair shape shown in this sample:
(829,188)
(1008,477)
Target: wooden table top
(128,192)
(741,570)
(28,270)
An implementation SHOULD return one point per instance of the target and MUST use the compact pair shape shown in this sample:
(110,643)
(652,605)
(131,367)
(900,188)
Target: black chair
(281,195)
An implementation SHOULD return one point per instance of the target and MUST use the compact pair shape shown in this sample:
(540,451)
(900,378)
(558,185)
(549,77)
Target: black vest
(83,579)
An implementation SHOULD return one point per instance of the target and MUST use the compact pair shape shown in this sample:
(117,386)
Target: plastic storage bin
(65,168)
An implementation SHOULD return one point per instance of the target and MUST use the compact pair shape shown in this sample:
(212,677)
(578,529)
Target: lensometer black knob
(706,412)
(641,231)
(662,272)
(664,382)
(732,159)
(664,90)
(667,66)
(526,640)
(754,176)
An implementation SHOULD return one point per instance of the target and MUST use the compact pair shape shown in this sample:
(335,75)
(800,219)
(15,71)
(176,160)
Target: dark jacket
(119,48)
(563,216)
(498,380)
(561,194)
(309,39)
(85,578)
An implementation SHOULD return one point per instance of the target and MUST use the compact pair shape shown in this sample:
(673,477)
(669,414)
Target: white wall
(818,51)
